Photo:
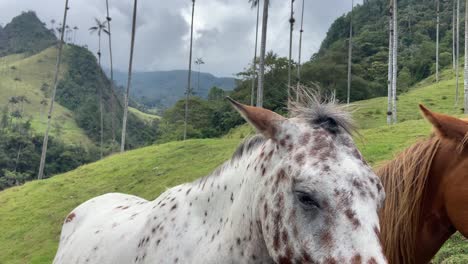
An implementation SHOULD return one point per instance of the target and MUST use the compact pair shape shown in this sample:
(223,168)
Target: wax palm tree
(99,28)
(457,52)
(254,61)
(75,29)
(291,27)
(67,31)
(129,79)
(453,35)
(394,61)
(300,52)
(466,61)
(52,99)
(390,64)
(199,62)
(437,39)
(52,22)
(262,51)
(187,93)
(350,52)
(108,18)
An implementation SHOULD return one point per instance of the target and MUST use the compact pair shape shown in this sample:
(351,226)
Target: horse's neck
(435,224)
(225,201)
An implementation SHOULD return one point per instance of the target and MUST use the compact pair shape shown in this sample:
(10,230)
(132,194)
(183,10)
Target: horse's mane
(322,110)
(404,179)
(316,109)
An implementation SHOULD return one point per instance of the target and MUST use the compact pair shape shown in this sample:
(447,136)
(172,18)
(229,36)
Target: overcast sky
(224,30)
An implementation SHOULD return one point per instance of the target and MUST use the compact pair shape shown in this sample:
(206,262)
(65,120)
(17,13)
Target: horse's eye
(306,200)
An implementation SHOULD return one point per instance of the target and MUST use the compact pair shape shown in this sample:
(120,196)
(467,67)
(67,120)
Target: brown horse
(427,192)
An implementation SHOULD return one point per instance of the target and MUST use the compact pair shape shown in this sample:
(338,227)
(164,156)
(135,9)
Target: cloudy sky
(224,30)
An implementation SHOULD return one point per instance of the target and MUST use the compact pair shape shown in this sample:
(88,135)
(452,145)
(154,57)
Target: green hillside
(437,96)
(25,34)
(32,214)
(416,55)
(148,118)
(27,67)
(32,77)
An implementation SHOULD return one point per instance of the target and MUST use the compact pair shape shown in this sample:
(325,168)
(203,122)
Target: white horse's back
(106,223)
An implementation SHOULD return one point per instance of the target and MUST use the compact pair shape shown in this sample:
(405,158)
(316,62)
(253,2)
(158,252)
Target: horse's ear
(446,126)
(265,121)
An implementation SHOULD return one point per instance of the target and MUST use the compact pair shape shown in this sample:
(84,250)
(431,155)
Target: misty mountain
(165,88)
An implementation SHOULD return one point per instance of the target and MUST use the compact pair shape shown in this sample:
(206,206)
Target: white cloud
(224,31)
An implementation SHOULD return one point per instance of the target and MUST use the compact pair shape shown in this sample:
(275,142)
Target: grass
(21,75)
(436,96)
(32,214)
(148,118)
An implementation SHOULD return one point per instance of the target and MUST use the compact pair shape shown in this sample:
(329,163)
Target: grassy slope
(439,97)
(32,72)
(143,116)
(31,215)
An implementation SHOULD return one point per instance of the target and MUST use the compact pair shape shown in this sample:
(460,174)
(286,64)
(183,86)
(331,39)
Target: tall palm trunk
(394,61)
(101,107)
(111,72)
(129,79)
(52,99)
(453,35)
(300,53)
(390,63)
(465,106)
(254,61)
(350,52)
(189,77)
(291,27)
(458,53)
(262,54)
(437,41)
(198,78)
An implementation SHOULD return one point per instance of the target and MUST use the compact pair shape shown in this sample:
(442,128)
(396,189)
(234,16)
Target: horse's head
(317,200)
(446,193)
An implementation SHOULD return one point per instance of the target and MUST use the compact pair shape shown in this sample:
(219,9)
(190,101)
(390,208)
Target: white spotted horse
(299,192)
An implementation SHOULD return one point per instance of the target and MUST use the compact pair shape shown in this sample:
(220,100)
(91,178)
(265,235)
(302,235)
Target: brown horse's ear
(265,121)
(446,126)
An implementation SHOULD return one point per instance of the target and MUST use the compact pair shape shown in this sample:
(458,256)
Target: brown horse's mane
(404,179)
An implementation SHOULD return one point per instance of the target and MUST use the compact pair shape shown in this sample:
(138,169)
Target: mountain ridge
(165,88)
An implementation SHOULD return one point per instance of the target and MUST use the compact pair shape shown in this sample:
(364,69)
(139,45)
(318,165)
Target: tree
(52,22)
(261,74)
(99,28)
(129,79)
(109,19)
(43,105)
(466,61)
(390,63)
(437,39)
(254,61)
(457,64)
(187,93)
(51,109)
(199,62)
(394,61)
(291,27)
(75,29)
(454,61)
(67,31)
(350,51)
(300,50)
